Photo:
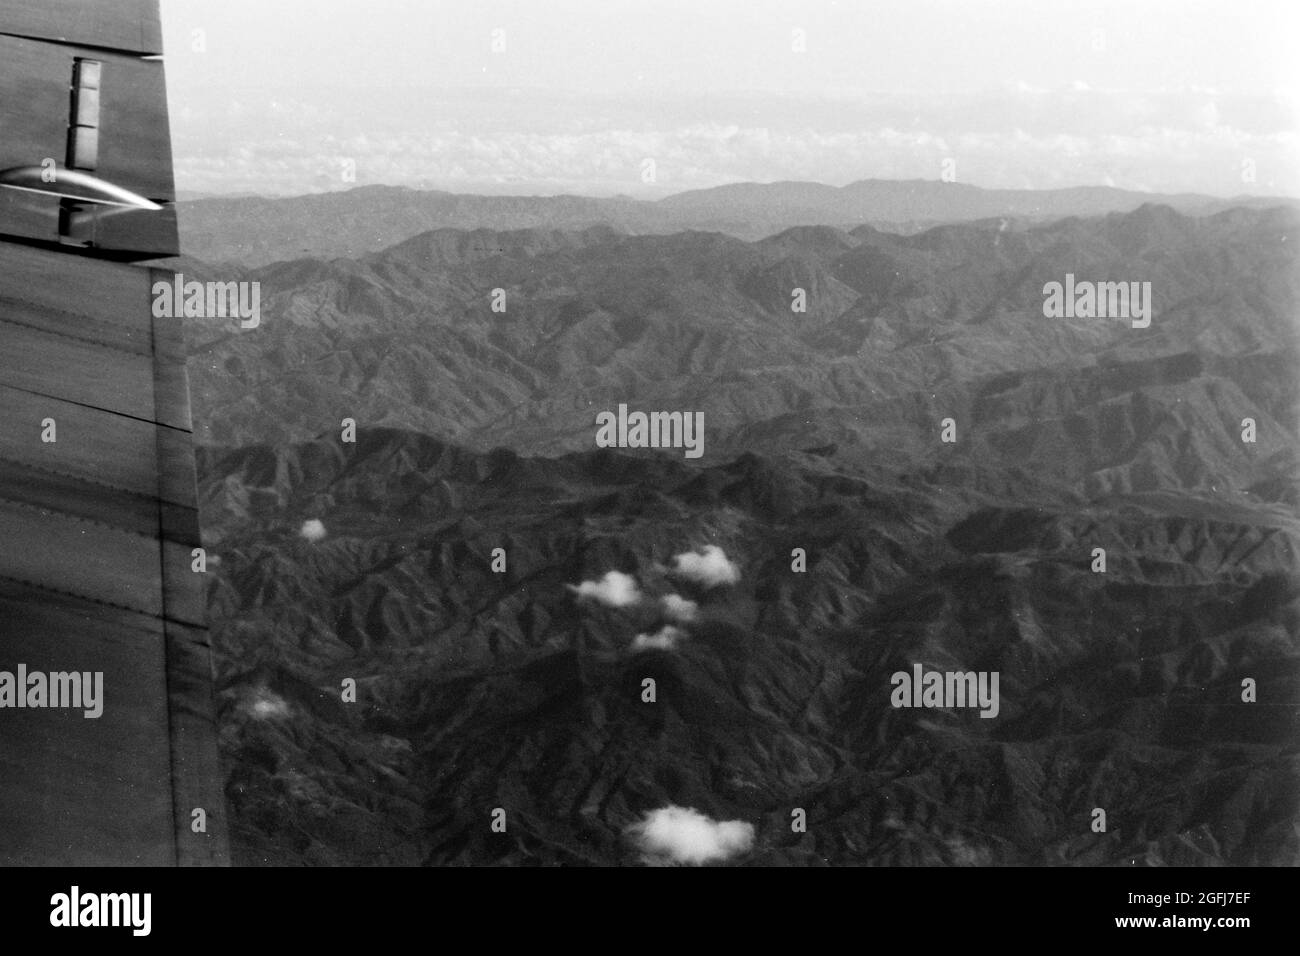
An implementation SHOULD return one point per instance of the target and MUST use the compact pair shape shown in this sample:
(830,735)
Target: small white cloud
(684,835)
(615,589)
(265,704)
(679,608)
(313,530)
(664,640)
(709,567)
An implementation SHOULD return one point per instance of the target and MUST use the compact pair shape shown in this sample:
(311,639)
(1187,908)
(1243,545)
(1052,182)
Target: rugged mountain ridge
(899,333)
(478,689)
(253,231)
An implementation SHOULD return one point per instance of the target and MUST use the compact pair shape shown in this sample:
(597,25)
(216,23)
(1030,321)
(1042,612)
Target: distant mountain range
(251,231)
(481,689)
(897,330)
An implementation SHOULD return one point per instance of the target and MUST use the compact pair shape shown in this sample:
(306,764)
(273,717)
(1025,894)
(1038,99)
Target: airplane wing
(107,734)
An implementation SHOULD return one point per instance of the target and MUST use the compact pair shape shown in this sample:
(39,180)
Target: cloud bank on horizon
(576,98)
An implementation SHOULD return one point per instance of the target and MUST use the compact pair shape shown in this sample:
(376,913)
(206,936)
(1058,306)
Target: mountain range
(253,231)
(947,459)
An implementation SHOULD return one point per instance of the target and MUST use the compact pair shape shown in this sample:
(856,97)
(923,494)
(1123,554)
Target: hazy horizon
(577,98)
(523,192)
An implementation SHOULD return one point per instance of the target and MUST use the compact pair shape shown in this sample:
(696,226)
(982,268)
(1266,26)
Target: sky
(283,97)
